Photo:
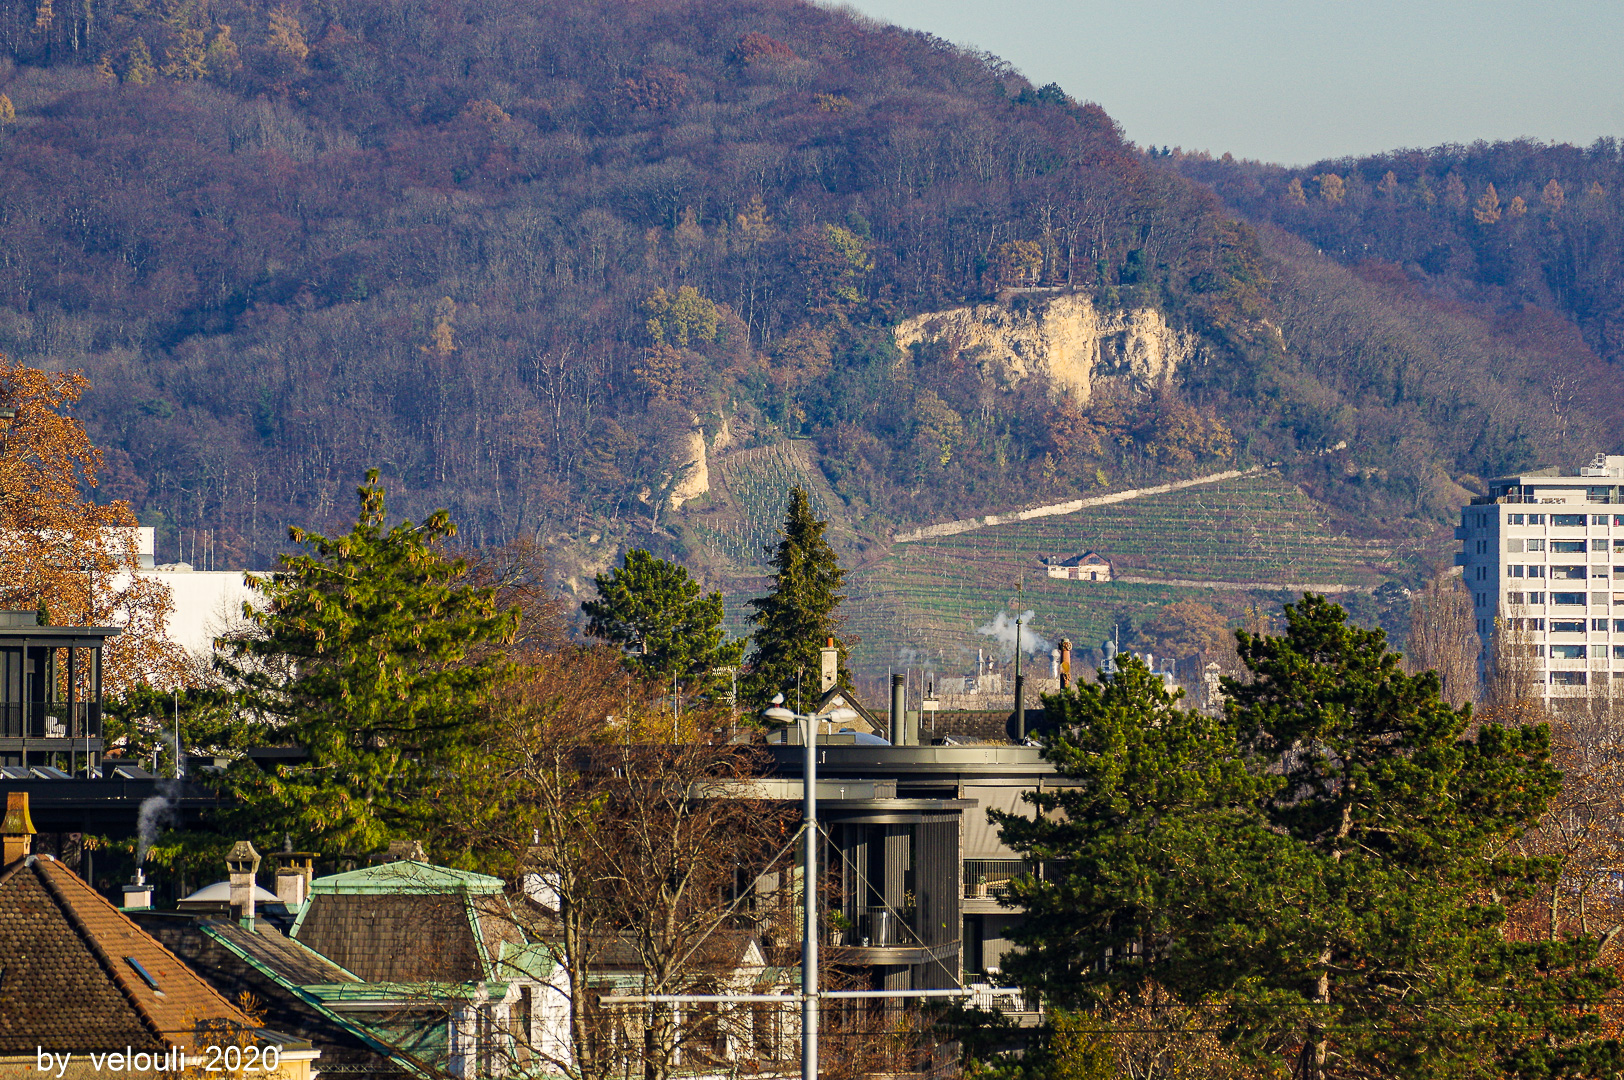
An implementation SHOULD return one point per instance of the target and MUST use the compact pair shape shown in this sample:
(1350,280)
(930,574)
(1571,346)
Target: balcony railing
(50,720)
(986,879)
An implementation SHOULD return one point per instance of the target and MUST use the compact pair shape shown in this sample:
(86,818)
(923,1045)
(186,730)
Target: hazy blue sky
(1296,82)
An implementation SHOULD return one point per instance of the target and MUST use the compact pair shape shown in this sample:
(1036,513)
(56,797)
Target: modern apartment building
(1538,556)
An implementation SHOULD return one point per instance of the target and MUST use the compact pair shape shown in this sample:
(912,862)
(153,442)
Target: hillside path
(1240,586)
(964,525)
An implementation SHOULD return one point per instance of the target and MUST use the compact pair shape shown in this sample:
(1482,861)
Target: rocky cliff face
(1065,341)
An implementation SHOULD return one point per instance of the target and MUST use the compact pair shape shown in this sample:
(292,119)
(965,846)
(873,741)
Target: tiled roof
(74,971)
(394,938)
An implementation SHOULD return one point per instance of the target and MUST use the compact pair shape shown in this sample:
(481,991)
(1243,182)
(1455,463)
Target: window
(1599,624)
(1568,573)
(1567,626)
(1536,598)
(1514,598)
(1567,678)
(1536,519)
(1567,652)
(1568,521)
(1576,598)
(1598,519)
(1598,571)
(1618,652)
(146,976)
(1568,547)
(1536,571)
(1482,547)
(1537,624)
(1514,519)
(1536,545)
(1479,599)
(1514,571)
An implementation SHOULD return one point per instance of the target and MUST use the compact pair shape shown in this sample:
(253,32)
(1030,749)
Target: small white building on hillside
(1090,567)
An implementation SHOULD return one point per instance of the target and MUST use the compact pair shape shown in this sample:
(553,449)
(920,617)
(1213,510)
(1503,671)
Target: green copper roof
(405,876)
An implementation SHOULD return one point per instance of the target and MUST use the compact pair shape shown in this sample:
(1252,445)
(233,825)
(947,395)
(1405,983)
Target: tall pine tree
(653,610)
(367,658)
(1334,856)
(795,620)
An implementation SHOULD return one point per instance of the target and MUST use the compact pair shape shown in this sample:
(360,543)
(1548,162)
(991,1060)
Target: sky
(1299,82)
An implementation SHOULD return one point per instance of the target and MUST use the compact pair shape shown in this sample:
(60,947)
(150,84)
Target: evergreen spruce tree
(798,617)
(1334,857)
(652,609)
(363,660)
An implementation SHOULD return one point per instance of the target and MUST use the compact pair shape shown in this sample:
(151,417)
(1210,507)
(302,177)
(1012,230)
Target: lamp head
(780,714)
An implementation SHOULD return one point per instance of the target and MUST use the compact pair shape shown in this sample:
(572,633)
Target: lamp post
(809,880)
(809,889)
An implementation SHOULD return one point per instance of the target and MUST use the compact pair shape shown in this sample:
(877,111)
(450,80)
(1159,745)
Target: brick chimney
(16,829)
(1065,663)
(828,667)
(243,864)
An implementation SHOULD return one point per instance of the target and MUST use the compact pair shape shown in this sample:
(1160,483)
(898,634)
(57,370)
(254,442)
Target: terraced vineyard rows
(931,595)
(758,481)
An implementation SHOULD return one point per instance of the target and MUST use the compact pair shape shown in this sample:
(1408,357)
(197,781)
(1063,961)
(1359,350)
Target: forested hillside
(526,258)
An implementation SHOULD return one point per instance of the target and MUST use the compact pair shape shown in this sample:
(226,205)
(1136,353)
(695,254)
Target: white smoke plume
(157,810)
(1002,630)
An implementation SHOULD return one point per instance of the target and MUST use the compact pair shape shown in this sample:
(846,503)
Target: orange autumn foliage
(61,551)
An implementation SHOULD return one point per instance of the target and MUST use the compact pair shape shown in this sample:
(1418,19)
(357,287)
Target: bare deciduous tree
(1443,637)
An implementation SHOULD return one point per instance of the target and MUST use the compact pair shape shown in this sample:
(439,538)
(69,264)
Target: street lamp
(809,872)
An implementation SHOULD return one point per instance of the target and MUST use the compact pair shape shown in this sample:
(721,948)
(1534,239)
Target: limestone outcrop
(1065,341)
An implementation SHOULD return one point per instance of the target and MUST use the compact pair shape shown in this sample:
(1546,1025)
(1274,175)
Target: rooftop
(80,975)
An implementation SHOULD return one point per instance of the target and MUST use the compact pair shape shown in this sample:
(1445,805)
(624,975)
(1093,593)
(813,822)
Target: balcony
(987,880)
(50,720)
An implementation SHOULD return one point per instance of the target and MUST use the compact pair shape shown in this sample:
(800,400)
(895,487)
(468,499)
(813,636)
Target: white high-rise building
(1538,555)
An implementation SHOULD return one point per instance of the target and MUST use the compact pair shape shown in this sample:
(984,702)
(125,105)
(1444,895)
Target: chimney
(1065,663)
(899,699)
(16,830)
(828,667)
(243,864)
(138,893)
(294,869)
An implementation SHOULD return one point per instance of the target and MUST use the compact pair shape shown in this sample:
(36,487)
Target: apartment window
(1567,547)
(1536,519)
(1618,571)
(1514,519)
(1618,545)
(1598,519)
(1598,571)
(1576,599)
(1618,519)
(1514,571)
(1537,624)
(1536,598)
(1567,678)
(1599,624)
(1536,545)
(1568,573)
(1480,626)
(1618,652)
(1567,626)
(1481,598)
(1567,652)
(1514,598)
(1539,650)
(1536,571)
(1568,521)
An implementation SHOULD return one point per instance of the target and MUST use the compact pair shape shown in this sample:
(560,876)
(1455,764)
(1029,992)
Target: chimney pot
(243,864)
(16,829)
